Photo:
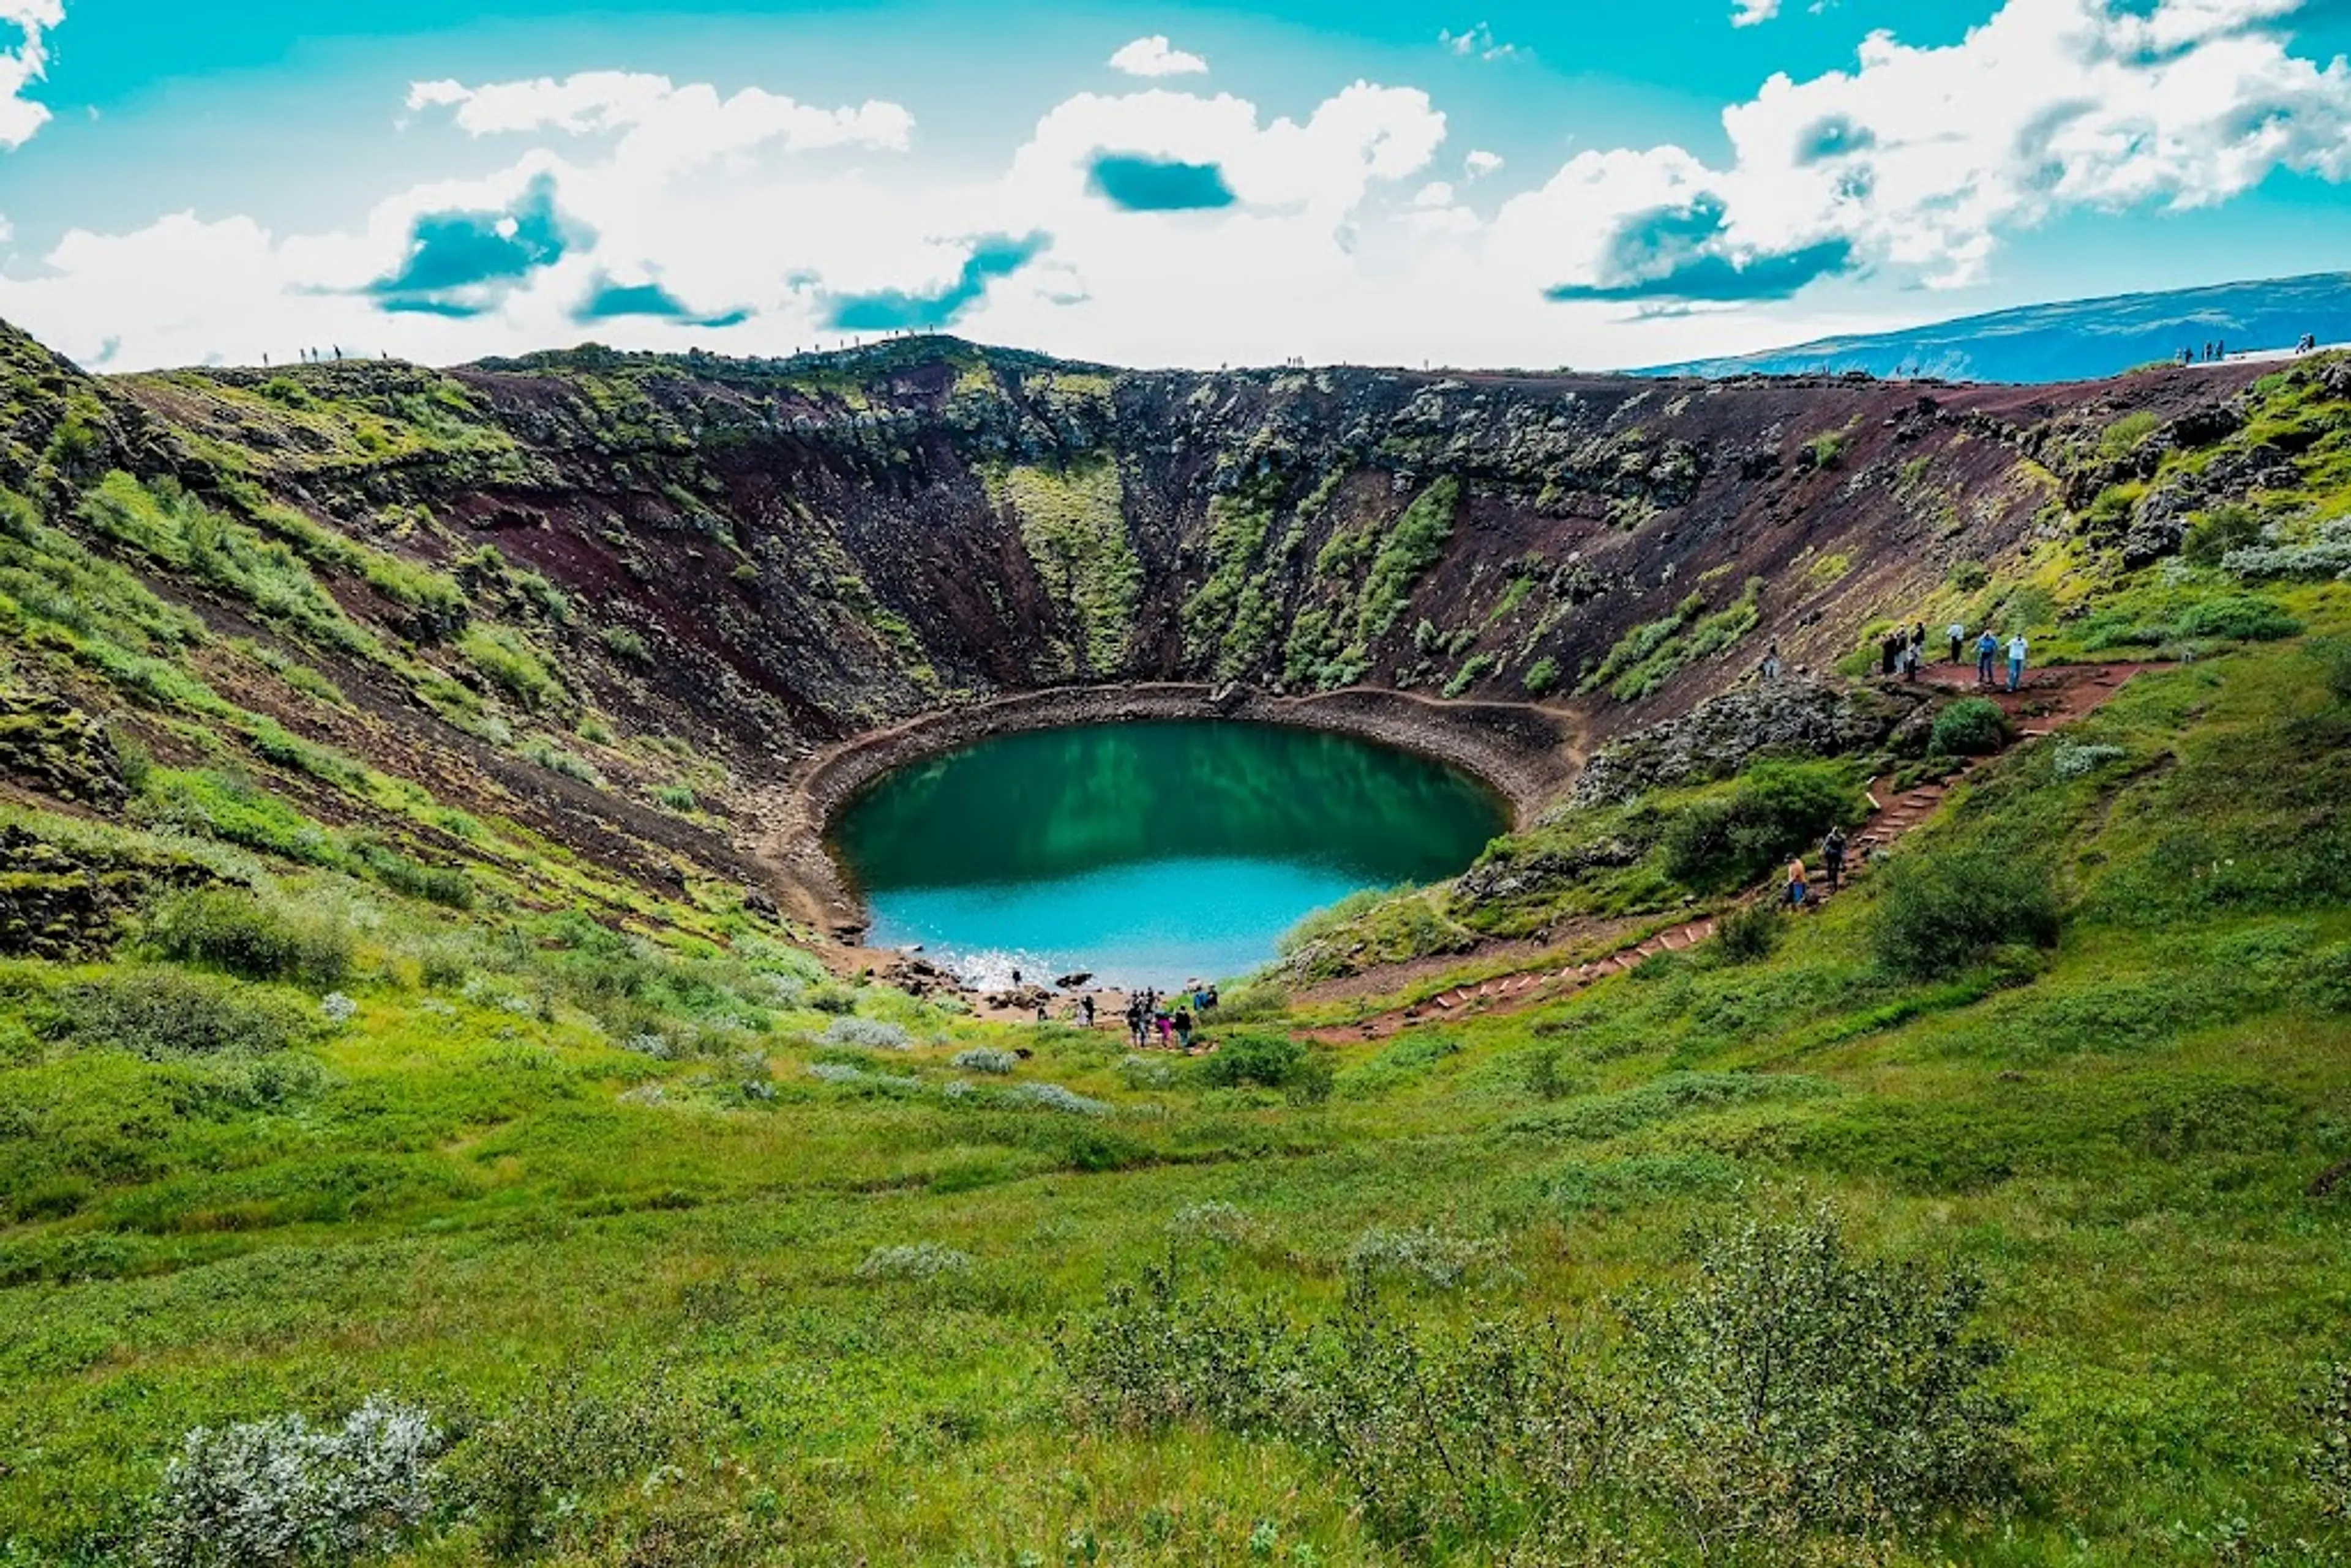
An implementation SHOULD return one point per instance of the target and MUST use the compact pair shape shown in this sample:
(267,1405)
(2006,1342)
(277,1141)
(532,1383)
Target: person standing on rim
(2017,647)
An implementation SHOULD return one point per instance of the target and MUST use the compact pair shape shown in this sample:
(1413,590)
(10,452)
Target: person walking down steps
(1796,886)
(1833,857)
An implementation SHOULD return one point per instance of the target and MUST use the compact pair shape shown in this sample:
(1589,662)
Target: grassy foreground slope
(755,1278)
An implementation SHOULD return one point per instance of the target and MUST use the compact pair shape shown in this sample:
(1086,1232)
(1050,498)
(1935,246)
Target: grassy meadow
(689,1253)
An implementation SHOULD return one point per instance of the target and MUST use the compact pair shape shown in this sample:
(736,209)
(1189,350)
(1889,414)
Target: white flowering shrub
(340,1008)
(920,1260)
(1222,1223)
(984,1059)
(1438,1259)
(1144,1072)
(2073,759)
(865,1034)
(275,1492)
(842,1073)
(654,1045)
(2327,553)
(1053,1097)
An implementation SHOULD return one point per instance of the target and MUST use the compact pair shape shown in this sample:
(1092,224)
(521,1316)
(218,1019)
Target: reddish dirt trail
(2047,699)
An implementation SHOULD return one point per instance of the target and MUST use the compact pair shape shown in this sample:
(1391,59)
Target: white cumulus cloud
(660,123)
(1164,225)
(1752,13)
(24,65)
(1477,42)
(1155,57)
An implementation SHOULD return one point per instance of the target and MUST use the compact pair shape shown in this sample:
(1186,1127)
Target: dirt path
(2050,698)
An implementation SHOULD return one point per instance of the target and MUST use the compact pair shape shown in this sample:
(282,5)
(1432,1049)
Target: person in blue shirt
(1987,649)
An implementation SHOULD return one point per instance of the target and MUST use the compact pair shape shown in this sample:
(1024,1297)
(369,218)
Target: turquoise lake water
(1149,853)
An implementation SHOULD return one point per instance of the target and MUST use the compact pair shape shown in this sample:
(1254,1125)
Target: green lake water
(1150,852)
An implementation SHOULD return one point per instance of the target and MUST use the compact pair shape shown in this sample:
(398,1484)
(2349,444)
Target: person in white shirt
(2016,651)
(1958,635)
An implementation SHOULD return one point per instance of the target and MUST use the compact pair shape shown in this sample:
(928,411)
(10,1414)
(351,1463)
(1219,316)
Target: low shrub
(2078,759)
(1792,1386)
(1269,1060)
(919,1261)
(1777,810)
(2333,657)
(520,1476)
(865,1034)
(1943,914)
(1053,1097)
(232,929)
(263,1494)
(984,1059)
(2212,537)
(1216,1221)
(159,1012)
(1747,934)
(2241,617)
(1541,677)
(1438,1259)
(1971,726)
(1790,1389)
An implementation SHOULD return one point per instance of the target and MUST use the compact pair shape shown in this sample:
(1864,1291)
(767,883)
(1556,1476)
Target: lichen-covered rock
(48,745)
(1794,718)
(1504,880)
(61,901)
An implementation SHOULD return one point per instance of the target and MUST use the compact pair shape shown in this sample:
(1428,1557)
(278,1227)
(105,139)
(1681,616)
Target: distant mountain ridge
(2075,339)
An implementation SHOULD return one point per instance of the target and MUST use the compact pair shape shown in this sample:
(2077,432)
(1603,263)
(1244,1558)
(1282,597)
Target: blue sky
(1489,184)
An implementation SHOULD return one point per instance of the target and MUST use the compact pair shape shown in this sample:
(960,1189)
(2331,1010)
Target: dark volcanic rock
(1793,717)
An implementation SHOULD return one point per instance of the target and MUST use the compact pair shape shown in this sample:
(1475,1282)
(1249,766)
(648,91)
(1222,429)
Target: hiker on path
(1086,1010)
(1833,857)
(1911,662)
(1918,638)
(1987,649)
(1135,1020)
(1164,1024)
(1796,885)
(1889,651)
(2016,651)
(1958,635)
(1183,1022)
(1771,661)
